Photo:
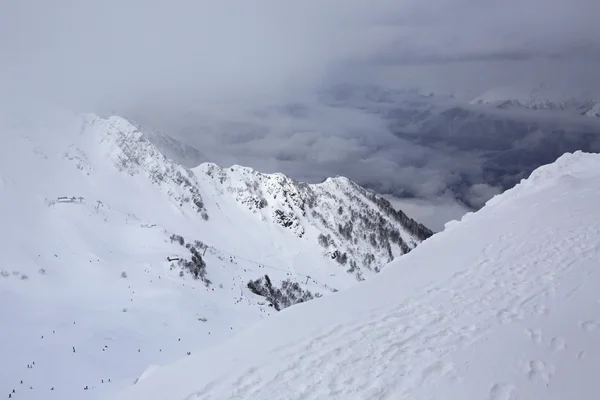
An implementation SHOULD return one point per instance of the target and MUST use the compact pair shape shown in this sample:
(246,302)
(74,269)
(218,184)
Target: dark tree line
(195,264)
(416,229)
(289,294)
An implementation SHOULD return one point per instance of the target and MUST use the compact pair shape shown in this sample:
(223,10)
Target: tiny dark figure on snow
(73,349)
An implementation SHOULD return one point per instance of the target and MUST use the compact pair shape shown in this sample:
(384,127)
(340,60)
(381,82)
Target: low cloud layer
(409,146)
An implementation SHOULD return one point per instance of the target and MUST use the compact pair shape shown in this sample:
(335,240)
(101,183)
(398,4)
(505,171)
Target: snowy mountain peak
(541,97)
(330,208)
(172,148)
(117,258)
(502,306)
(590,109)
(568,170)
(132,153)
(353,225)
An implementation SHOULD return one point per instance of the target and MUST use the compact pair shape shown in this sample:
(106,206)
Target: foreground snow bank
(504,305)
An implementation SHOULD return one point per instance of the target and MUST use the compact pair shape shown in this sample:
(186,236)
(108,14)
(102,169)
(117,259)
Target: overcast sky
(212,71)
(132,50)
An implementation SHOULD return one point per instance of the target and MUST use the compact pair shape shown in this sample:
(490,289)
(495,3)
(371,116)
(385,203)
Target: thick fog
(121,52)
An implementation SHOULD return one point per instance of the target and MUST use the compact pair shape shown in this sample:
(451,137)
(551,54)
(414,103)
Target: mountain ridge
(115,253)
(503,304)
(297,196)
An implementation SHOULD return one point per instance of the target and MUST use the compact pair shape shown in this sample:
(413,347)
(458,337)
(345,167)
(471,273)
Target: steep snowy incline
(502,305)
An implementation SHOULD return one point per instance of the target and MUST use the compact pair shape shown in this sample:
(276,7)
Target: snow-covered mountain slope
(541,97)
(590,109)
(501,305)
(92,215)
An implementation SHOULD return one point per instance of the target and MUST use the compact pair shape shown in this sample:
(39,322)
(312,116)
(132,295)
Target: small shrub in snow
(200,204)
(346,230)
(124,309)
(177,238)
(353,267)
(123,274)
(16,273)
(24,277)
(42,271)
(4,273)
(323,240)
(342,258)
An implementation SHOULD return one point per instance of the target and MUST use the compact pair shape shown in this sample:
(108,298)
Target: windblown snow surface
(88,298)
(503,305)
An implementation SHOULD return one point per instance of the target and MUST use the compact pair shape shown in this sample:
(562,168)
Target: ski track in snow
(528,289)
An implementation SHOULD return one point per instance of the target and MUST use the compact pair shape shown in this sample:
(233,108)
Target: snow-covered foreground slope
(88,207)
(502,305)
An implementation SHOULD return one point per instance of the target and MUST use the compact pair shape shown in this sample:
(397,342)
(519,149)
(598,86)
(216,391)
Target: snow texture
(502,305)
(89,297)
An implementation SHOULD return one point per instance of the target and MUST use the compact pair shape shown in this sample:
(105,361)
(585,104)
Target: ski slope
(503,305)
(89,299)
